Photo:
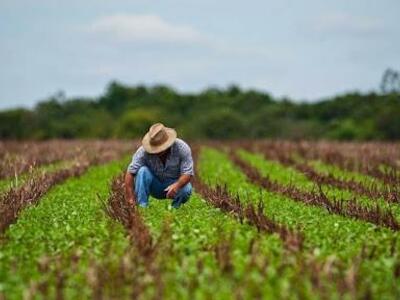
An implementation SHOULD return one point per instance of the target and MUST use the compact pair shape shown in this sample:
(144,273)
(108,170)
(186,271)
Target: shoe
(143,204)
(175,205)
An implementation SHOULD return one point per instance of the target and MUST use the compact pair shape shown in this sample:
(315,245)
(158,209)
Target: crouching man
(162,167)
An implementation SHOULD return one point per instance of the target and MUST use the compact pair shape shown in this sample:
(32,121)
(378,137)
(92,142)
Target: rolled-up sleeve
(138,160)
(186,160)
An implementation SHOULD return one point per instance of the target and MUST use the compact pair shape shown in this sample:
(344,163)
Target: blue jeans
(147,184)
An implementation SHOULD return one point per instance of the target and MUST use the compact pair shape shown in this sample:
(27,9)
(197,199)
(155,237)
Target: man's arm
(129,194)
(176,186)
(138,160)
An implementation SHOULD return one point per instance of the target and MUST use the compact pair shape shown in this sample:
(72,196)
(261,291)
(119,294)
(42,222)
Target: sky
(306,50)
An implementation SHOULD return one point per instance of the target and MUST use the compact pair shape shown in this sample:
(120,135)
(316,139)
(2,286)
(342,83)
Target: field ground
(267,220)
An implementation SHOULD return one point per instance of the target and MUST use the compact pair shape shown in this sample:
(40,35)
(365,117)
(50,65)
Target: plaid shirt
(179,161)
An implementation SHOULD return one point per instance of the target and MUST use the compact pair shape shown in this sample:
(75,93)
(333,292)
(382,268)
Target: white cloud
(348,24)
(143,28)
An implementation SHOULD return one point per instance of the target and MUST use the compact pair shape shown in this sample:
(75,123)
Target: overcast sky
(305,49)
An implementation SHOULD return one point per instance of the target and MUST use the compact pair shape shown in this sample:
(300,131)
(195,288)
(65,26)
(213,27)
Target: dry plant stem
(129,216)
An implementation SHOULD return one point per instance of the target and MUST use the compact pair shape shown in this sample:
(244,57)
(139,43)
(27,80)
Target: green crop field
(267,220)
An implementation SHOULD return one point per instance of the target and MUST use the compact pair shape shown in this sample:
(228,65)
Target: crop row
(17,198)
(231,240)
(252,213)
(316,196)
(57,241)
(327,173)
(19,157)
(17,181)
(375,160)
(240,263)
(326,233)
(316,171)
(288,175)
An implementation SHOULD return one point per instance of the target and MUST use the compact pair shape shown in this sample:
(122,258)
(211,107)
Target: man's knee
(143,178)
(144,172)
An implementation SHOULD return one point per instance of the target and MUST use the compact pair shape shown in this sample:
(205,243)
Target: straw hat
(158,138)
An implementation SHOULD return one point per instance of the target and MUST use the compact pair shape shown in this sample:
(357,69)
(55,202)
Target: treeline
(127,112)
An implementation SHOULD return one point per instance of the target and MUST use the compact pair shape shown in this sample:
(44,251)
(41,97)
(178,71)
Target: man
(162,167)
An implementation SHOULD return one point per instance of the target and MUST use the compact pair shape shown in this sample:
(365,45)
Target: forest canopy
(127,111)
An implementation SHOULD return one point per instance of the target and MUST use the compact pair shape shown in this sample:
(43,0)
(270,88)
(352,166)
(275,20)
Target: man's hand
(172,190)
(176,186)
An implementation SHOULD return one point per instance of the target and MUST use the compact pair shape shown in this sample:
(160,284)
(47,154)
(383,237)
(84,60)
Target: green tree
(16,124)
(134,123)
(388,122)
(222,124)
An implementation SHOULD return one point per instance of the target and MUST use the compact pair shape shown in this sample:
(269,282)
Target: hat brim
(171,133)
